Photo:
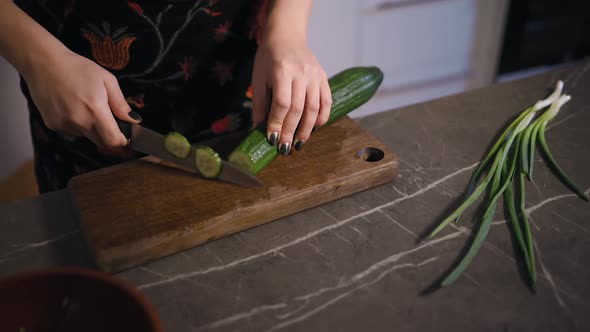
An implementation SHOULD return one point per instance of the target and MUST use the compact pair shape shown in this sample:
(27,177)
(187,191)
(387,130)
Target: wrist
(280,33)
(286,22)
(41,57)
(24,43)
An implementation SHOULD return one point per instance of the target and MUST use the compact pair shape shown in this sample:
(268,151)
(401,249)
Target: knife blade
(150,142)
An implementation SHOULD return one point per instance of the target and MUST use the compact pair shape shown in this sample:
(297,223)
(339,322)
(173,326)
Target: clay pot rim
(93,275)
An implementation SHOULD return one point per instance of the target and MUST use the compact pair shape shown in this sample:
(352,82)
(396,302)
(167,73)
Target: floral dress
(183,65)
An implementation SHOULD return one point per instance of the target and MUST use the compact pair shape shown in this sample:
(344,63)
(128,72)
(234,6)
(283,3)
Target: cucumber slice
(254,153)
(208,161)
(177,144)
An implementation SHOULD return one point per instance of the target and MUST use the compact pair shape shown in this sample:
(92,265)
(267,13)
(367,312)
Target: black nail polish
(285,148)
(299,145)
(135,116)
(274,138)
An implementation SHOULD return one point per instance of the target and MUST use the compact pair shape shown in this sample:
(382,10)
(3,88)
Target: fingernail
(299,145)
(274,138)
(135,116)
(285,148)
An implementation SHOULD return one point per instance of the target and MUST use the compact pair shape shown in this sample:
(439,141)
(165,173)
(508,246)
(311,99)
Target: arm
(301,97)
(73,94)
(15,27)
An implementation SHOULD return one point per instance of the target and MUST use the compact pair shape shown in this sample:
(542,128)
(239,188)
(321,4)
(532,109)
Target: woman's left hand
(301,98)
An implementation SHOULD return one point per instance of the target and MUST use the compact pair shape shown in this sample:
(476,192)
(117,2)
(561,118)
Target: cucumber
(350,89)
(254,153)
(208,161)
(177,144)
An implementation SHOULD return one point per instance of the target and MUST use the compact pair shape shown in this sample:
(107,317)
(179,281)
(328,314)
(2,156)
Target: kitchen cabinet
(426,48)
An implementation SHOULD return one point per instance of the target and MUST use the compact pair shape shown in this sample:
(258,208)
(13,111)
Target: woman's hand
(77,97)
(288,78)
(74,95)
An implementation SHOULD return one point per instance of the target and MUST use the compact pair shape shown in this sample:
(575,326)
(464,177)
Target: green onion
(535,131)
(550,160)
(527,232)
(486,223)
(515,223)
(524,151)
(511,156)
(532,109)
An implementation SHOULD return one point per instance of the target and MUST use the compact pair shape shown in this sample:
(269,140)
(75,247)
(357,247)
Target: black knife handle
(125,127)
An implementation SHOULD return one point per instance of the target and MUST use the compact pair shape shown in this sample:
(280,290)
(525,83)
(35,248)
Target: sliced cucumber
(253,153)
(177,144)
(208,161)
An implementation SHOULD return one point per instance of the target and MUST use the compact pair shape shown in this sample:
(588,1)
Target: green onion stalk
(509,163)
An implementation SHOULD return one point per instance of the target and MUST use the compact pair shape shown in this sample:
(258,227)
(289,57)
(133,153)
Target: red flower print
(187,68)
(136,101)
(211,13)
(135,7)
(222,72)
(249,92)
(225,124)
(221,31)
(221,126)
(111,51)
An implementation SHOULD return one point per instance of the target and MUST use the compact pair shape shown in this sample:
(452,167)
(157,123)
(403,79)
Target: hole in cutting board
(370,154)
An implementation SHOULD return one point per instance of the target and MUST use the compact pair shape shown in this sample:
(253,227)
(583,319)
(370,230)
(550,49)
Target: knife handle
(125,127)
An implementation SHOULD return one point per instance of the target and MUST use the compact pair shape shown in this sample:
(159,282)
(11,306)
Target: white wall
(15,140)
(424,47)
(332,34)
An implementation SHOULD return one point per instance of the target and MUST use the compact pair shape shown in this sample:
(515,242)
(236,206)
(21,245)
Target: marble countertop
(355,264)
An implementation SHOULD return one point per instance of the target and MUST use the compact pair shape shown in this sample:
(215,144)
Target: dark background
(545,32)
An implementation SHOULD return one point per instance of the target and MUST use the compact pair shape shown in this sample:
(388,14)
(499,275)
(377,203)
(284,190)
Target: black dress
(182,65)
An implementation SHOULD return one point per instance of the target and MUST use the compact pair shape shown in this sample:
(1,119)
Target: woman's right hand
(77,97)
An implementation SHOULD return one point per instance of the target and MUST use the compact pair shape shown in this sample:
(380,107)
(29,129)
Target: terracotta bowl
(73,299)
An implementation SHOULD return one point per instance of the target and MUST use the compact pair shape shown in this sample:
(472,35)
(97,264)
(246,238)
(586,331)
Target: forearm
(288,19)
(23,42)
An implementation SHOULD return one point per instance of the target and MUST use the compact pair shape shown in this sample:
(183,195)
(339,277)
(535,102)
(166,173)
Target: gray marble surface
(355,264)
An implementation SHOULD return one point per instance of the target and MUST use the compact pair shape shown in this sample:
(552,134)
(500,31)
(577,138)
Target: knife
(150,142)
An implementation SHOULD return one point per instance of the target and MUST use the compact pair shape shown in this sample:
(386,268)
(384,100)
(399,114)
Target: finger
(90,133)
(293,116)
(325,103)
(260,101)
(107,128)
(310,114)
(281,102)
(93,135)
(119,152)
(80,126)
(119,106)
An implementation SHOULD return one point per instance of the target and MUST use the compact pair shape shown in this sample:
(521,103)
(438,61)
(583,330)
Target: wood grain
(140,211)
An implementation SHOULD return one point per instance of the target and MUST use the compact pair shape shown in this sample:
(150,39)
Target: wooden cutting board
(140,211)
